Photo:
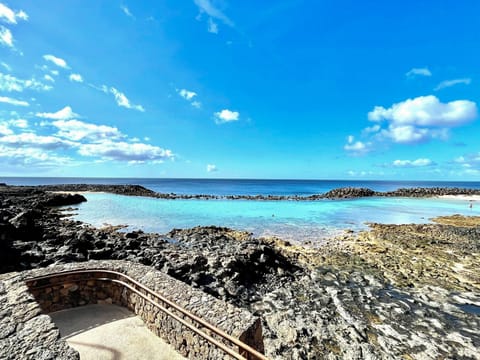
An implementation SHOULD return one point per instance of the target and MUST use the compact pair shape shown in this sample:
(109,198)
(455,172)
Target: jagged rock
(65,199)
(348,192)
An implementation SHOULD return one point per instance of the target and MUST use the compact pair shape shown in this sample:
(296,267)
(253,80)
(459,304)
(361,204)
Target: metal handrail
(246,348)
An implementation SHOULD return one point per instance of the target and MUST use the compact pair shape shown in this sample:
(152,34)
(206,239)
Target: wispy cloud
(127,11)
(212,26)
(187,94)
(20,123)
(413,163)
(6,66)
(56,60)
(77,130)
(123,101)
(206,7)
(212,168)
(5,129)
(6,37)
(48,78)
(31,157)
(76,78)
(10,16)
(418,72)
(450,83)
(190,97)
(357,148)
(10,83)
(31,139)
(124,151)
(11,101)
(226,116)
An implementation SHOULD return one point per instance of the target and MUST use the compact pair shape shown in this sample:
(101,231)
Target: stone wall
(65,291)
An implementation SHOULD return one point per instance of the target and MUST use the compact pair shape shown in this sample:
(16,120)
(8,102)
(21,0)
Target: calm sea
(293,220)
(238,186)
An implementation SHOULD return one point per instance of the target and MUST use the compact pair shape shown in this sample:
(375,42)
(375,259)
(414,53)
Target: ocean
(239,186)
(298,221)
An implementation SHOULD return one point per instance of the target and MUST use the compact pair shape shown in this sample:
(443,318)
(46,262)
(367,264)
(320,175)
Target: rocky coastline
(340,193)
(392,292)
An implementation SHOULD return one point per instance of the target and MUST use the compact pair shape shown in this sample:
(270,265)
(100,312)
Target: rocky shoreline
(395,291)
(340,193)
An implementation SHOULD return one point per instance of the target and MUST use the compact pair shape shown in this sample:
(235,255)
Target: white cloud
(418,71)
(372,129)
(409,134)
(102,88)
(64,114)
(356,147)
(212,168)
(76,77)
(78,130)
(15,102)
(415,163)
(360,173)
(54,72)
(49,78)
(426,111)
(10,83)
(20,123)
(31,157)
(6,37)
(34,140)
(123,151)
(187,94)
(6,66)
(212,26)
(127,11)
(11,16)
(469,161)
(56,60)
(449,83)
(5,129)
(207,7)
(226,115)
(123,101)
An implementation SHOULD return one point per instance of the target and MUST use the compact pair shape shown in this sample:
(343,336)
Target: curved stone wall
(60,291)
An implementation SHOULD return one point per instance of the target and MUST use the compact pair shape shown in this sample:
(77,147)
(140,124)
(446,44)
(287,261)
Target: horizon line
(208,178)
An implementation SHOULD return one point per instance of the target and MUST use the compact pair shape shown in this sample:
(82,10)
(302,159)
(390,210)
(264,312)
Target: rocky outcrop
(428,192)
(339,193)
(348,192)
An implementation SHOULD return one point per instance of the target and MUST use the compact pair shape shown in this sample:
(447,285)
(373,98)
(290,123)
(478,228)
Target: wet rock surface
(396,291)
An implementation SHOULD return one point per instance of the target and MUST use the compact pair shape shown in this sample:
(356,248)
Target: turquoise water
(291,220)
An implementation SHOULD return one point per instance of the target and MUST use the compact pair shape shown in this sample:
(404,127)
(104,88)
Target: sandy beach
(461,197)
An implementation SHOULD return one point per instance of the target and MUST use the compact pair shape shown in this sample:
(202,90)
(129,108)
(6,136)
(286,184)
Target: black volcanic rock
(65,199)
(348,192)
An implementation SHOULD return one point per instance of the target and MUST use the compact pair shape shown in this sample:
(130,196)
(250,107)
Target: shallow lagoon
(293,220)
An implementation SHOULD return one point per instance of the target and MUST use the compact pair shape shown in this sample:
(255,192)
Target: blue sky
(240,89)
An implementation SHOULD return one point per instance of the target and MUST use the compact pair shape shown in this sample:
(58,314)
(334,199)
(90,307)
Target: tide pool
(290,220)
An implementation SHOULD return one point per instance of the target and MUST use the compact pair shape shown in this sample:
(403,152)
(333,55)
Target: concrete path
(110,332)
